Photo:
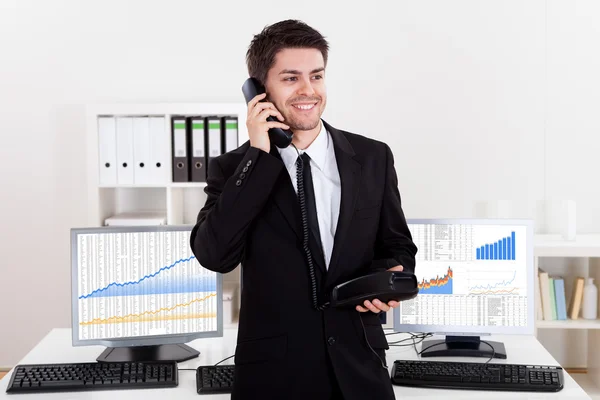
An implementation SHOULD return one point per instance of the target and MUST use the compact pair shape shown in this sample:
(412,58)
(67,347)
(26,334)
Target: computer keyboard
(214,379)
(465,375)
(38,378)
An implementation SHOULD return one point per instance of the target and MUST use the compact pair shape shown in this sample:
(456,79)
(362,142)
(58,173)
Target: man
(287,348)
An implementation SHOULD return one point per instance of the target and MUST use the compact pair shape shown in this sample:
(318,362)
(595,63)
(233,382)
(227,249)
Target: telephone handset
(280,137)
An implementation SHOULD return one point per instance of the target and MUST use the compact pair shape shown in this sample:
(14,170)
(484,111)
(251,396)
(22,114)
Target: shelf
(171,184)
(568,324)
(135,109)
(187,184)
(584,245)
(587,384)
(132,186)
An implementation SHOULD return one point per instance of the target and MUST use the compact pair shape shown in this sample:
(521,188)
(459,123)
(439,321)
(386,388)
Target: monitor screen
(135,283)
(475,276)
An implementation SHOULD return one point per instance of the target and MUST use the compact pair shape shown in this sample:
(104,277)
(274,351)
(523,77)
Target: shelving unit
(580,257)
(179,201)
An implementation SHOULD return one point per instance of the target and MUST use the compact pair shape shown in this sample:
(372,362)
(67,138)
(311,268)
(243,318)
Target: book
(552,298)
(576,298)
(545,294)
(539,311)
(559,291)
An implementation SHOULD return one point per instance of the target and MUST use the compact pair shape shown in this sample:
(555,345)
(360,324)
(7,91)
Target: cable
(195,369)
(307,252)
(420,336)
(369,344)
(225,359)
(493,351)
(428,347)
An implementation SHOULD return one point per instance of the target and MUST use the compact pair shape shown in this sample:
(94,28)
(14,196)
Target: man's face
(296,86)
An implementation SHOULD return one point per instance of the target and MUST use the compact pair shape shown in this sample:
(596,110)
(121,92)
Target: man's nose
(306,88)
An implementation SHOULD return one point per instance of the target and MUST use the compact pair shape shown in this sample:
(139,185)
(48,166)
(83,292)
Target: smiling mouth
(304,107)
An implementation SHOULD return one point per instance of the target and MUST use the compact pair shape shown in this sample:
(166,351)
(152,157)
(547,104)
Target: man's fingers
(260,107)
(264,114)
(275,124)
(371,307)
(255,100)
(381,306)
(377,306)
(399,268)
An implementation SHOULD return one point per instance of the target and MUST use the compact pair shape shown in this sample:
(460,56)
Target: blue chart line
(159,282)
(494,286)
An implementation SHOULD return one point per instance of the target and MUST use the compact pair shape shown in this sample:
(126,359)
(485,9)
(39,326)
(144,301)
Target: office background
(479,100)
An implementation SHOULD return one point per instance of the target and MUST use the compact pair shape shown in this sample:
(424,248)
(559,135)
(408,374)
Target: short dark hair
(274,38)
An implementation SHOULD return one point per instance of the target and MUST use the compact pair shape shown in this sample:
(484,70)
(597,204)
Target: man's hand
(257,124)
(377,306)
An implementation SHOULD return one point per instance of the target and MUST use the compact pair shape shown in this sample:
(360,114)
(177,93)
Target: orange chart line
(500,291)
(133,316)
(149,318)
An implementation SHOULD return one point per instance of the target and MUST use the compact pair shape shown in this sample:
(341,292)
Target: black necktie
(311,205)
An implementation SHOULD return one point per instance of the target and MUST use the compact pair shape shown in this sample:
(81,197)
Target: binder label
(214,138)
(231,134)
(198,138)
(179,134)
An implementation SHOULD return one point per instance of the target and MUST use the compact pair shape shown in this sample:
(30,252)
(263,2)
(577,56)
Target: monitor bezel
(482,330)
(151,340)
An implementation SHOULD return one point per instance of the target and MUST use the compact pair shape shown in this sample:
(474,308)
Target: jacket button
(249,163)
(245,169)
(238,182)
(331,341)
(242,175)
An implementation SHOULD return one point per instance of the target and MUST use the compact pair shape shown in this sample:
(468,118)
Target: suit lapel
(350,171)
(285,198)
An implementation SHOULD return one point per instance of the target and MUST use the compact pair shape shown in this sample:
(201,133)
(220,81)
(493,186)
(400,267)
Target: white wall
(479,101)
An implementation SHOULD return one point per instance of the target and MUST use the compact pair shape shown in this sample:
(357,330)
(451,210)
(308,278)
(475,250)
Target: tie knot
(305,157)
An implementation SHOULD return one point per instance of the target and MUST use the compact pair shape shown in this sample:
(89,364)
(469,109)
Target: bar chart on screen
(503,249)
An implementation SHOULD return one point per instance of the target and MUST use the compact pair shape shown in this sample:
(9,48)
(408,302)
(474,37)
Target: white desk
(56,348)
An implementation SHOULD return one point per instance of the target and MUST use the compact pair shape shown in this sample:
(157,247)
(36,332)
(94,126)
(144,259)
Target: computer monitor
(141,292)
(476,278)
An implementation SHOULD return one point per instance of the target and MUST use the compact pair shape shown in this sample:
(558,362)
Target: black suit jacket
(252,216)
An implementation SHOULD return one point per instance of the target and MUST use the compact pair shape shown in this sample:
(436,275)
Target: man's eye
(293,78)
(318,76)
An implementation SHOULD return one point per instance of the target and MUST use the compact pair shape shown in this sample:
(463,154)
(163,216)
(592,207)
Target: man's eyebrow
(296,72)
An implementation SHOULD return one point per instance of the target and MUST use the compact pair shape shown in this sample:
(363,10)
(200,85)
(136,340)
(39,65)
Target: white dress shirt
(326,181)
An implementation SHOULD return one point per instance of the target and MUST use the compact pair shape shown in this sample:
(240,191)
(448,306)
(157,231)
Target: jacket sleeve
(394,244)
(217,240)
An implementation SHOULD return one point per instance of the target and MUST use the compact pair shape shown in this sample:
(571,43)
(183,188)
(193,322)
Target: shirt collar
(317,151)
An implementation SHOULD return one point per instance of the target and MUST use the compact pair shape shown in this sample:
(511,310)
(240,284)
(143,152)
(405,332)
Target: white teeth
(304,107)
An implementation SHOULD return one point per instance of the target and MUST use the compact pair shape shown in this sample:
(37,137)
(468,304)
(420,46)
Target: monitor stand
(462,346)
(163,352)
